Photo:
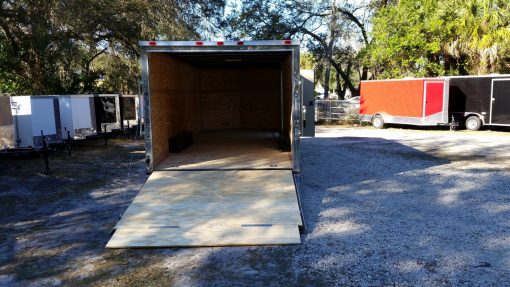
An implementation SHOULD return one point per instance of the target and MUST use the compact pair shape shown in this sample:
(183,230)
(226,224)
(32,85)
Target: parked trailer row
(472,101)
(24,119)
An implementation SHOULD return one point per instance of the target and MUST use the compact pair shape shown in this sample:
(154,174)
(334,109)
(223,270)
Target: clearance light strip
(219,43)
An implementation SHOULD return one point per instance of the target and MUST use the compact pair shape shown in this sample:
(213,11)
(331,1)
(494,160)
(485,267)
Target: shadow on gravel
(378,213)
(334,162)
(50,224)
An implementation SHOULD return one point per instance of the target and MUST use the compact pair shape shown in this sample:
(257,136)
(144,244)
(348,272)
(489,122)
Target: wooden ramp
(211,208)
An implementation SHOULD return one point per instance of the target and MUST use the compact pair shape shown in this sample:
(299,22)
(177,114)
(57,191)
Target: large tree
(479,31)
(53,46)
(431,38)
(328,26)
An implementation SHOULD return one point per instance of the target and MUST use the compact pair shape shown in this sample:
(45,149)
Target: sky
(231,5)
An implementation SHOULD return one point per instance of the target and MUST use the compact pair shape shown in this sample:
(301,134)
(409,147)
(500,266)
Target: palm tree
(481,31)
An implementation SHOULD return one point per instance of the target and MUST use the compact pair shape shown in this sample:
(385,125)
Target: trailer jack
(44,153)
(454,124)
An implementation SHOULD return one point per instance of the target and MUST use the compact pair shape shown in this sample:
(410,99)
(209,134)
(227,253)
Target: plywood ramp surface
(230,149)
(211,208)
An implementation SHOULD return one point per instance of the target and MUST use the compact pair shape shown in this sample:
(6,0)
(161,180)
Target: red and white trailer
(422,102)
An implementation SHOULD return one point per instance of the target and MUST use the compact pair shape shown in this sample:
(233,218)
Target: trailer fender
(482,118)
(473,122)
(378,121)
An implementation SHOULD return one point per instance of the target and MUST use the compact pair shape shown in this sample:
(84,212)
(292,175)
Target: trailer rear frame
(175,47)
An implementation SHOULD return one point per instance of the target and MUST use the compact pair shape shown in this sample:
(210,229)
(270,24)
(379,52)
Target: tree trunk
(347,81)
(340,91)
(327,74)
(364,73)
(329,49)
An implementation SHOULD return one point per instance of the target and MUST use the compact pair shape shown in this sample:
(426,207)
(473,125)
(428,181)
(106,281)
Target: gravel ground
(395,207)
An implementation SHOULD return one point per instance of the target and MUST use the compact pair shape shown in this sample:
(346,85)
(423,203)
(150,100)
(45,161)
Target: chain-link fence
(337,110)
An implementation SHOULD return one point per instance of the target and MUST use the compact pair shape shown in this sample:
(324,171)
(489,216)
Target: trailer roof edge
(144,44)
(407,79)
(444,78)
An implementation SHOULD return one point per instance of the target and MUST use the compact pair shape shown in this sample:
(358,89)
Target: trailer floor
(230,149)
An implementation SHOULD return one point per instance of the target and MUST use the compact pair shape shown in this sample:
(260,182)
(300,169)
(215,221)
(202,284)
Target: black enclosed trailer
(480,100)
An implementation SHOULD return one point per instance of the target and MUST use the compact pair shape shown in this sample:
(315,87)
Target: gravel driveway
(394,207)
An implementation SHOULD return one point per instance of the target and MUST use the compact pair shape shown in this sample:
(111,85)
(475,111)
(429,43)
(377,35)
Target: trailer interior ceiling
(233,103)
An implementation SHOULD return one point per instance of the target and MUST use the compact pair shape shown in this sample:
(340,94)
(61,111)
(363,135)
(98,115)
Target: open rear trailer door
(236,107)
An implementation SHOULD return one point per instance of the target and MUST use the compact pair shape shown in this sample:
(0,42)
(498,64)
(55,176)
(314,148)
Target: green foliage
(480,30)
(118,74)
(406,39)
(431,38)
(329,29)
(9,82)
(56,46)
(308,61)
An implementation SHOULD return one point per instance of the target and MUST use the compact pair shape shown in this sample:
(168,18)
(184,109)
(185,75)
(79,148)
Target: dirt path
(392,207)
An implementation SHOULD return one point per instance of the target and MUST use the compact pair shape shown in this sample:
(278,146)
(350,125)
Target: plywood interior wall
(246,98)
(191,98)
(174,101)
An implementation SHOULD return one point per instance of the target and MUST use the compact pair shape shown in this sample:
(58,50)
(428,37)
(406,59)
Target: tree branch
(9,36)
(349,15)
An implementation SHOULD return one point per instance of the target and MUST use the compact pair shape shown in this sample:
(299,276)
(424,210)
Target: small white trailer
(33,115)
(84,115)
(76,116)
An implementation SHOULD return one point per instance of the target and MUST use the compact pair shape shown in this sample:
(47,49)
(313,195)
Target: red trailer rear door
(434,93)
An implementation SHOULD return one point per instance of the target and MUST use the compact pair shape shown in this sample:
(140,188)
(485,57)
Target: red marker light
(199,43)
(153,43)
(240,43)
(219,43)
(287,42)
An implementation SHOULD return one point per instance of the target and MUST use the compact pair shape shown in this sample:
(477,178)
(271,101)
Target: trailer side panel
(396,98)
(174,102)
(470,95)
(43,116)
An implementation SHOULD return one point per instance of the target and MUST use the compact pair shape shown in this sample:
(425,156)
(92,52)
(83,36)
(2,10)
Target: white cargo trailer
(77,116)
(223,122)
(84,115)
(33,115)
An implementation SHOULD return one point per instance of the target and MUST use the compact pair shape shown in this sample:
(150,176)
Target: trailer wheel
(378,122)
(473,123)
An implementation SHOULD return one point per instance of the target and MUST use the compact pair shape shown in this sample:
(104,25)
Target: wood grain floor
(230,150)
(211,208)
